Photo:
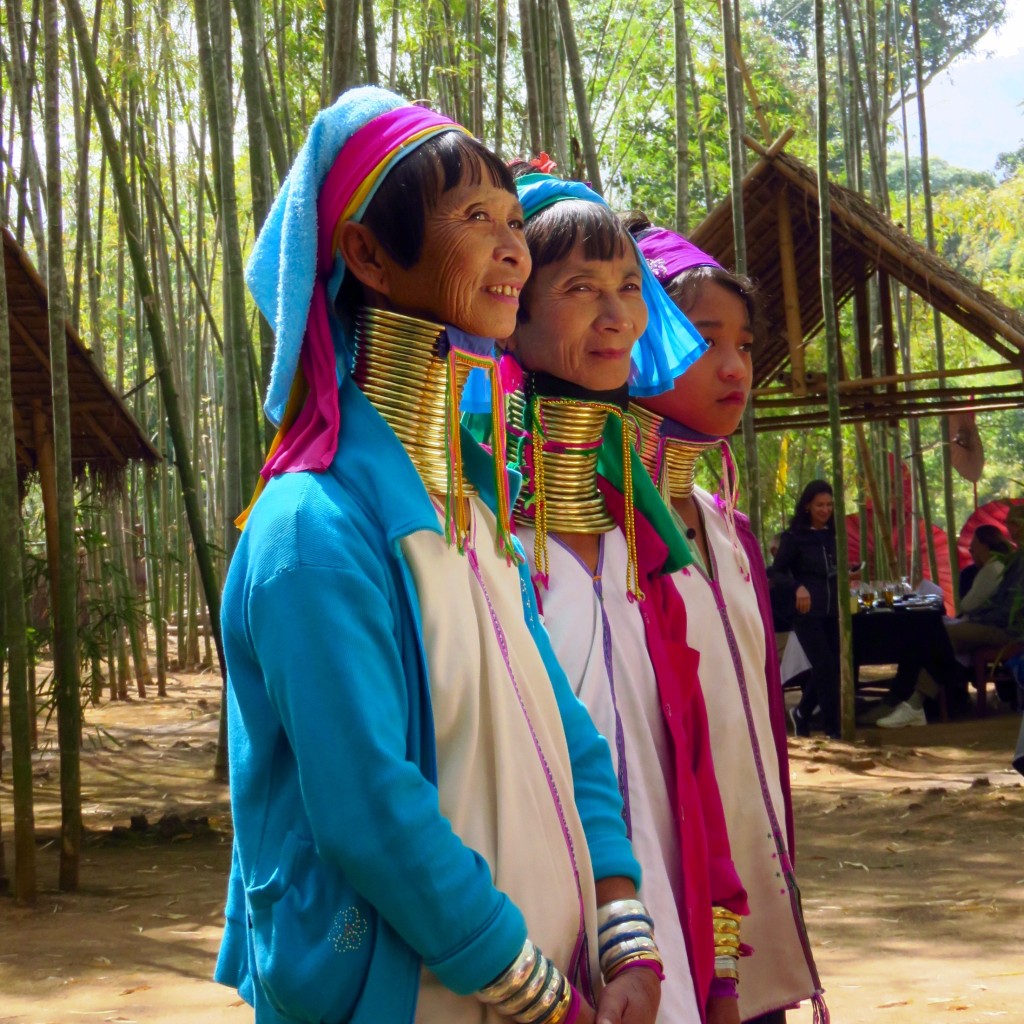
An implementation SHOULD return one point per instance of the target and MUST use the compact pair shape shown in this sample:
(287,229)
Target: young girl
(600,542)
(728,615)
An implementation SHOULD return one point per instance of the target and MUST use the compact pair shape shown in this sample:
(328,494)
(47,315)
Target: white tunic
(723,623)
(598,636)
(504,775)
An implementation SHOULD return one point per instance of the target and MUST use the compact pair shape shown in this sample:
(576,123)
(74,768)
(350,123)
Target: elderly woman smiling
(421,805)
(591,320)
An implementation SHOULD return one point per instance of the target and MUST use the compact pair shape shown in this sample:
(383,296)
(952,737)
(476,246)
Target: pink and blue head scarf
(295,271)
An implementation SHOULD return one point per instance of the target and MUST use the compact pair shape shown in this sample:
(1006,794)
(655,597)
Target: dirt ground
(909,854)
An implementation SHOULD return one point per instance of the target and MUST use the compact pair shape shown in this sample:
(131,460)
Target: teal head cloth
(671,343)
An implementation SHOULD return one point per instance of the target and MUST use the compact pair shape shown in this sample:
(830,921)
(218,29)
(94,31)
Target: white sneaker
(902,715)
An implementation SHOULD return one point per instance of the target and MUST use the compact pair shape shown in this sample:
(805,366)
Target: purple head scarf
(669,254)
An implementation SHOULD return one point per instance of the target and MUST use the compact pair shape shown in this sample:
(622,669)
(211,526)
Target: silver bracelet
(615,909)
(513,978)
(625,929)
(529,990)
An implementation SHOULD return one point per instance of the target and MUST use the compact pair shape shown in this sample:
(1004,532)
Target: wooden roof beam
(899,378)
(883,398)
(898,268)
(26,337)
(105,438)
(791,296)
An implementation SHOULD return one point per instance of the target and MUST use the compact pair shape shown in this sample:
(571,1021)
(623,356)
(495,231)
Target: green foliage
(944,176)
(1008,164)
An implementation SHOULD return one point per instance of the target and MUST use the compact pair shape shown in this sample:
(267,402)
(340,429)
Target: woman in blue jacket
(807,559)
(420,803)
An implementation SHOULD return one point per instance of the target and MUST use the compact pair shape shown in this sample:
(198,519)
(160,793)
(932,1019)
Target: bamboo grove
(141,145)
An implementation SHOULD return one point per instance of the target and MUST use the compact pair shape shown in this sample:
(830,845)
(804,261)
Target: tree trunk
(705,162)
(393,57)
(69,716)
(31,186)
(682,119)
(370,43)
(161,359)
(734,100)
(346,14)
(528,45)
(501,56)
(555,84)
(579,92)
(242,450)
(259,166)
(940,346)
(12,605)
(833,356)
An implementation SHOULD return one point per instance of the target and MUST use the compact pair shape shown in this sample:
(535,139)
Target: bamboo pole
(21,700)
(940,347)
(161,356)
(847,680)
(733,99)
(791,296)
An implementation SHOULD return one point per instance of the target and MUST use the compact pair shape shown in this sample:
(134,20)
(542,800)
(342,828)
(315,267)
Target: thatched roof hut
(104,434)
(781,204)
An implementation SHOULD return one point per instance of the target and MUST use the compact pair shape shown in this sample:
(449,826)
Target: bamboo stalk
(791,295)
(12,606)
(847,680)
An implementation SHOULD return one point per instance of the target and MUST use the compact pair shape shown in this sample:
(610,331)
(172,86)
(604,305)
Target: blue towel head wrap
(283,266)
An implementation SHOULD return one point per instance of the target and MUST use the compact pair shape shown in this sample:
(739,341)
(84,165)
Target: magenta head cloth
(669,254)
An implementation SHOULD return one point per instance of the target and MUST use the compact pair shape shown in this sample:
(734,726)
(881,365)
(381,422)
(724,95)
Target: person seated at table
(986,542)
(992,617)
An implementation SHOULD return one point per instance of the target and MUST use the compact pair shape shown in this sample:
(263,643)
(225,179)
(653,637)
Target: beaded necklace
(413,377)
(555,442)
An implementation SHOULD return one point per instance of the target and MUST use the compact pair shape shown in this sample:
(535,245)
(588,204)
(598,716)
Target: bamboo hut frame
(104,434)
(780,202)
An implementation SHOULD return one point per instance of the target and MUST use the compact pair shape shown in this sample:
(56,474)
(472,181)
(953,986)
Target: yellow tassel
(540,535)
(633,565)
(456,527)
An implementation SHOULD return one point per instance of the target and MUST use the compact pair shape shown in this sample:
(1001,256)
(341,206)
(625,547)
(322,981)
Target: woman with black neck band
(601,540)
(417,795)
(728,610)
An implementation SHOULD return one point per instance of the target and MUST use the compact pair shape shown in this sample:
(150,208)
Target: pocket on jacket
(312,936)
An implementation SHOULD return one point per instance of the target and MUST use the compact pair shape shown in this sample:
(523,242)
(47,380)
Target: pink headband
(360,163)
(669,254)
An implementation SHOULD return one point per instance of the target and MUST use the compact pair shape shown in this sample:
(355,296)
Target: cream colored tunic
(598,636)
(731,642)
(504,775)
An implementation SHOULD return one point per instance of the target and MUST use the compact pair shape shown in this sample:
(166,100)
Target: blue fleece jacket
(346,878)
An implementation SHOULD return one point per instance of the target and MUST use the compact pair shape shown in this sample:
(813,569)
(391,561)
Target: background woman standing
(807,556)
